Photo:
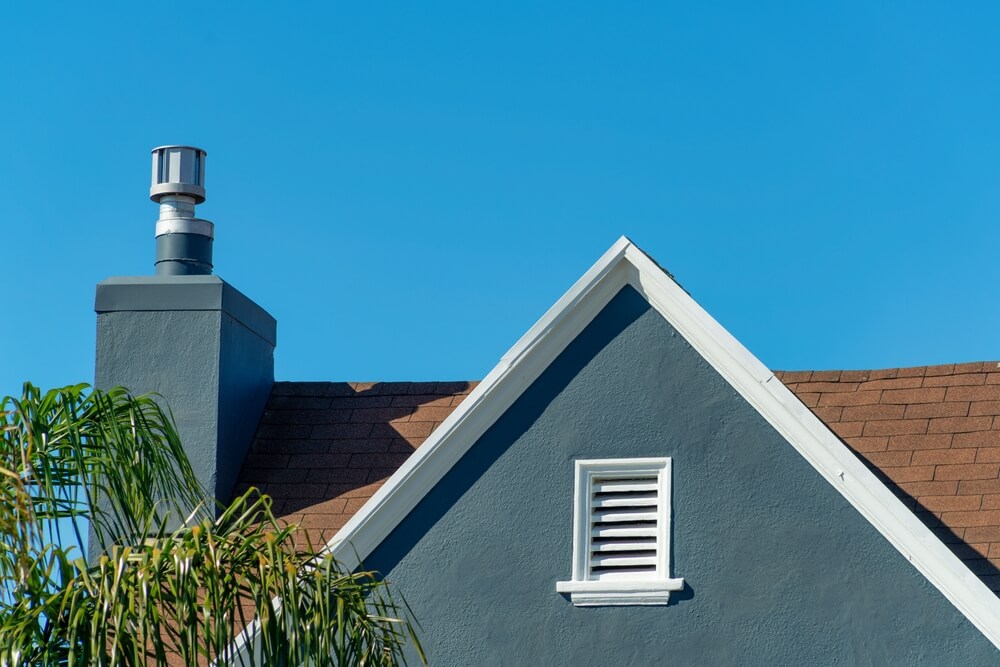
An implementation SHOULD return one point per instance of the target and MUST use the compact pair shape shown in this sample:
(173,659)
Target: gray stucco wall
(779,568)
(203,346)
(175,354)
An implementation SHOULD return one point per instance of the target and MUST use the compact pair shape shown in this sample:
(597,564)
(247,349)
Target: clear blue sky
(407,187)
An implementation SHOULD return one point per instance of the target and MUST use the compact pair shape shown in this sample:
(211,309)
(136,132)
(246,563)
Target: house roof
(623,265)
(931,434)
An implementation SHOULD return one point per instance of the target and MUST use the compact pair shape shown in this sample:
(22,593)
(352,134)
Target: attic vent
(621,533)
(624,526)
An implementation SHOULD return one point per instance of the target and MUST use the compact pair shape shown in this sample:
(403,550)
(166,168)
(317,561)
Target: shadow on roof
(322,449)
(978,562)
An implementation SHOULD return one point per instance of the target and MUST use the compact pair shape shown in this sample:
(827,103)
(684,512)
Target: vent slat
(623,573)
(643,500)
(623,531)
(624,545)
(624,521)
(623,561)
(609,516)
(625,486)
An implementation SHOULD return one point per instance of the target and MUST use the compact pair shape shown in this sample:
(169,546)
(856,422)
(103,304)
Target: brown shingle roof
(931,434)
(323,448)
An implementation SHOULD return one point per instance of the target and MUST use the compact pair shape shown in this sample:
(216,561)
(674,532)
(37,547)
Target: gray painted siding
(780,569)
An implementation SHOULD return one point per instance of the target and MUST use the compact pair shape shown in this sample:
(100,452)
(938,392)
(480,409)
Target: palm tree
(164,585)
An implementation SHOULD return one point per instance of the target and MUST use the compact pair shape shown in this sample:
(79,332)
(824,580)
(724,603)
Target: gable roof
(625,264)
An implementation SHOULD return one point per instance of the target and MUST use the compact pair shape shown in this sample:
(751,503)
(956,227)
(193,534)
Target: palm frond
(169,583)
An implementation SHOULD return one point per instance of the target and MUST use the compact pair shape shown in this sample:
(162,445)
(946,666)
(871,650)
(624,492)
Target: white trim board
(625,264)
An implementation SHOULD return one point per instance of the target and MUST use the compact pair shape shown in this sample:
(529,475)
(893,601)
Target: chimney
(187,335)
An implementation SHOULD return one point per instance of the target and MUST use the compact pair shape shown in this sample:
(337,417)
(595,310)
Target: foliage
(160,585)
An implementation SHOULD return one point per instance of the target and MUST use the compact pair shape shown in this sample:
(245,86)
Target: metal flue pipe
(183,241)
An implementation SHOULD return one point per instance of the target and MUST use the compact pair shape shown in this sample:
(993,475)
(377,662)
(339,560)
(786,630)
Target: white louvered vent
(621,533)
(624,521)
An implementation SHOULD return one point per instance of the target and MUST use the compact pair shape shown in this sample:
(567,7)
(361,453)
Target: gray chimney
(187,335)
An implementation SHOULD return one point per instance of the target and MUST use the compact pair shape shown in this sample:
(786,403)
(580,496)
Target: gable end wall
(780,569)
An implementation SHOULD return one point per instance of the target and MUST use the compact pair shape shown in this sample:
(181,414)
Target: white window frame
(586,589)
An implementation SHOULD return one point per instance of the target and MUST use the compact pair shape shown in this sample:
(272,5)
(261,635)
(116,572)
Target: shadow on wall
(322,449)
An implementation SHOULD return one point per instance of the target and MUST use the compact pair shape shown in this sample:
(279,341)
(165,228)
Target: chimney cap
(178,170)
(188,146)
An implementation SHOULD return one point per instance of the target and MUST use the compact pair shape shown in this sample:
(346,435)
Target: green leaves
(161,588)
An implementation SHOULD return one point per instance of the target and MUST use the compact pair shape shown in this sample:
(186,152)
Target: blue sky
(407,187)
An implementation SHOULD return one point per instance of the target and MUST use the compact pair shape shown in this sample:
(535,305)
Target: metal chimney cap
(178,170)
(194,148)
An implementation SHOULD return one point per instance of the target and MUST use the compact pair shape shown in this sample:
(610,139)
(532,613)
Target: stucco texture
(176,355)
(779,568)
(211,369)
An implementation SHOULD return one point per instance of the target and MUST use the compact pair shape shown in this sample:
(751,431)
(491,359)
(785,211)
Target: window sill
(619,593)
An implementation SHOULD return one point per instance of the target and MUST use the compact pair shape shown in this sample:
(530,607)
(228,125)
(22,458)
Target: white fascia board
(625,264)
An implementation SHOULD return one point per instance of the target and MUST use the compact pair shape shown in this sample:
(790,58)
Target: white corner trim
(625,264)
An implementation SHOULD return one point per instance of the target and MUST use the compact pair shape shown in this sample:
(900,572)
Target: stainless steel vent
(178,170)
(183,241)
